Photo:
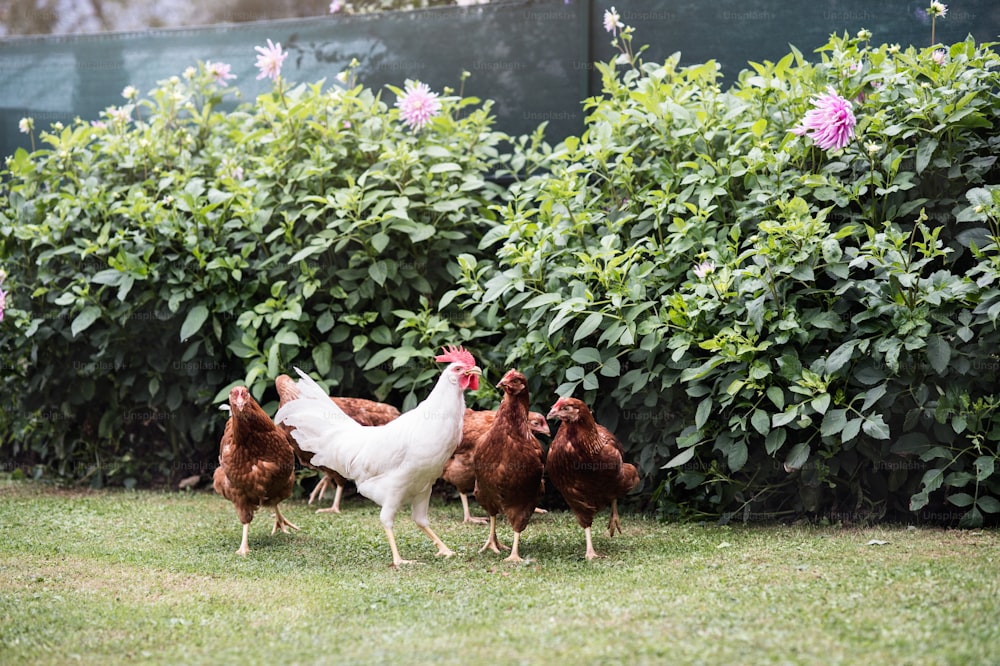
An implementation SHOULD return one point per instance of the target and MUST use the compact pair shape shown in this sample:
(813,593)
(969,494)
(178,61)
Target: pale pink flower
(937,9)
(939,56)
(612,21)
(122,114)
(269,61)
(418,104)
(3,301)
(703,269)
(336,6)
(831,123)
(221,71)
(98,124)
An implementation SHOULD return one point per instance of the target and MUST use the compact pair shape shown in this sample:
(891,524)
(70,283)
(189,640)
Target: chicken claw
(492,542)
(281,523)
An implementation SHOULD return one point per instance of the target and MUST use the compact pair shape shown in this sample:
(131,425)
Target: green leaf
(681,458)
(925,150)
(307,251)
(378,272)
(703,413)
(876,427)
(443,167)
(938,353)
(774,440)
(196,316)
(325,322)
(82,321)
(322,356)
(869,375)
(380,357)
(379,242)
(821,402)
(984,467)
(585,355)
(761,421)
(777,396)
(737,456)
(286,337)
(588,326)
(785,417)
(973,519)
(988,504)
(851,430)
(798,456)
(872,396)
(542,299)
(961,499)
(918,501)
(932,480)
(833,422)
(840,356)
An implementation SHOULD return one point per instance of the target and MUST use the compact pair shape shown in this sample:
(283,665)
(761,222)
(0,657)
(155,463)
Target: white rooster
(392,464)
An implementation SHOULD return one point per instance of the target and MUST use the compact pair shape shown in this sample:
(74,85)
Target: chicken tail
(321,427)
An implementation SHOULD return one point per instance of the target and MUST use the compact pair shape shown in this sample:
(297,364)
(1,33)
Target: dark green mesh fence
(533,58)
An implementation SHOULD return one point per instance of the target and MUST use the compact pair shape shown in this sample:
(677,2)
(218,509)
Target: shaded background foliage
(838,360)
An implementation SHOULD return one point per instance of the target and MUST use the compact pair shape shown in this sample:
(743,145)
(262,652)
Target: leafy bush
(172,249)
(783,329)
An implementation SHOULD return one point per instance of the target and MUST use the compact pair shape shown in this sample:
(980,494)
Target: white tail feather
(321,427)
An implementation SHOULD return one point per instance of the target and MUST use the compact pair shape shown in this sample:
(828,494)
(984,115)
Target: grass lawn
(98,577)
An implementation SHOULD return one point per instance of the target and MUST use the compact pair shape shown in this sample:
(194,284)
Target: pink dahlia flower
(831,123)
(221,72)
(418,105)
(270,59)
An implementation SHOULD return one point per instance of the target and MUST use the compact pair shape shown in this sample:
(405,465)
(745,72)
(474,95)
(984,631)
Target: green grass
(98,577)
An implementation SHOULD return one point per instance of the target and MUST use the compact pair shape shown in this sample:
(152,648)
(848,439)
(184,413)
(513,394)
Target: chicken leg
(396,559)
(591,553)
(320,491)
(245,543)
(614,523)
(467,516)
(492,542)
(514,556)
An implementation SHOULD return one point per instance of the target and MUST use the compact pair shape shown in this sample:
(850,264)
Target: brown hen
(365,412)
(508,461)
(585,465)
(256,463)
(460,471)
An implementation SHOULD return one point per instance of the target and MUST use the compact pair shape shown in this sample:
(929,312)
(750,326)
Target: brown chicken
(459,470)
(256,463)
(585,465)
(508,465)
(365,412)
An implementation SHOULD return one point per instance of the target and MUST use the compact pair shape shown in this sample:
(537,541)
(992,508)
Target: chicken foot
(492,542)
(443,550)
(280,522)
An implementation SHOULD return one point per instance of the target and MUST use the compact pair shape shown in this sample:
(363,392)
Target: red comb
(454,354)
